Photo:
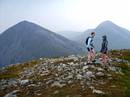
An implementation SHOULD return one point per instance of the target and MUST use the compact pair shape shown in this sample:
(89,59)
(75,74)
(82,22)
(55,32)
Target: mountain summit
(25,41)
(118,37)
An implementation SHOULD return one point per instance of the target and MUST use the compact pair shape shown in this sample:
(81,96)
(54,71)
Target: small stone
(49,82)
(70,82)
(63,65)
(85,67)
(56,92)
(89,74)
(24,82)
(57,84)
(100,74)
(98,91)
(100,69)
(79,77)
(112,69)
(39,94)
(41,58)
(91,87)
(32,85)
(70,77)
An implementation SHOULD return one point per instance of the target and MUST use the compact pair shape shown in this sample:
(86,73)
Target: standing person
(90,48)
(104,49)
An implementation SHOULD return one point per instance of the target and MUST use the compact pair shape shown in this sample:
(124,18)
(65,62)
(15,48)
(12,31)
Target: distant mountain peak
(106,23)
(23,27)
(24,21)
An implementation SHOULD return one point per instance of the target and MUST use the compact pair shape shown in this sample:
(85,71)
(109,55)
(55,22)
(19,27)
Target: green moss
(4,76)
(126,84)
(127,58)
(10,72)
(62,93)
(121,54)
(114,51)
(125,68)
(13,71)
(126,54)
(125,79)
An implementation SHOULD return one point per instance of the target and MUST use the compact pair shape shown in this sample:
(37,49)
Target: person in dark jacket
(104,50)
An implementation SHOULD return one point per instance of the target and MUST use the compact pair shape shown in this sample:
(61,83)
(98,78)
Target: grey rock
(79,77)
(100,69)
(24,82)
(12,94)
(98,91)
(85,68)
(57,84)
(56,92)
(89,75)
(100,74)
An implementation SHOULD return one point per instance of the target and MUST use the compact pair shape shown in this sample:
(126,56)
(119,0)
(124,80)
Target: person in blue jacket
(90,48)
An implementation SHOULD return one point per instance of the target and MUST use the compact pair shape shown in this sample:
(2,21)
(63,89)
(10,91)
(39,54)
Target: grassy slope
(122,82)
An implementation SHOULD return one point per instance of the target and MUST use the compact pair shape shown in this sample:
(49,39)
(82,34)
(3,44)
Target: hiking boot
(89,63)
(94,61)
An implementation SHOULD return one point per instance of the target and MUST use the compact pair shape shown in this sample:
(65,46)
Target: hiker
(104,49)
(90,48)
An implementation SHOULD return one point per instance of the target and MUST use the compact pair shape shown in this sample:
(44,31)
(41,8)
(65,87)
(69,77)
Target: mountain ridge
(112,31)
(27,40)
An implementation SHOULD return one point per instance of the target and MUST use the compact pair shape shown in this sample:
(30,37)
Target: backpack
(87,40)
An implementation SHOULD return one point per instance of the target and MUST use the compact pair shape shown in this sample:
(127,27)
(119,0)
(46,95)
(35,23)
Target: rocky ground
(68,77)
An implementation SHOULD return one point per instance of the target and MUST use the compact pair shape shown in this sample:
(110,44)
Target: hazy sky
(64,15)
